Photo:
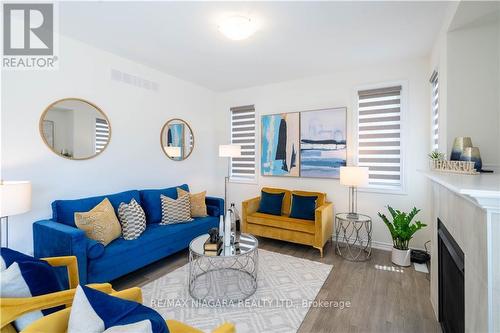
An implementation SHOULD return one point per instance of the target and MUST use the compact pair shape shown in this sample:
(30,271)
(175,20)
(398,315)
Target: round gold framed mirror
(177,139)
(75,129)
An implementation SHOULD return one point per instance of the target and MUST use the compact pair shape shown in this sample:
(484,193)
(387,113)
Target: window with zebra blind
(101,134)
(243,134)
(379,136)
(435,110)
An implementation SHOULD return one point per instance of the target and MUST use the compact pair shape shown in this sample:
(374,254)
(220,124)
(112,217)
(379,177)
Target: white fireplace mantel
(469,206)
(483,189)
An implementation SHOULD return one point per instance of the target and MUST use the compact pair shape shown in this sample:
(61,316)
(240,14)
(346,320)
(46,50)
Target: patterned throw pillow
(197,202)
(175,211)
(100,223)
(132,218)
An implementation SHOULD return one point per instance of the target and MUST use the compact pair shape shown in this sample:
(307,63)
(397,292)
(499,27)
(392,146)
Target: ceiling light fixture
(237,27)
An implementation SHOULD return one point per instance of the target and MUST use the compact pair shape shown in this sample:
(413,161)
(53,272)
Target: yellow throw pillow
(198,205)
(100,223)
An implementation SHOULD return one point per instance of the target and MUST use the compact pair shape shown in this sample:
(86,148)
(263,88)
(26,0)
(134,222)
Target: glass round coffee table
(229,275)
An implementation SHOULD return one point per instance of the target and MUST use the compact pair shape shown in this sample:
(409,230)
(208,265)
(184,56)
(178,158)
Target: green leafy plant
(401,227)
(436,155)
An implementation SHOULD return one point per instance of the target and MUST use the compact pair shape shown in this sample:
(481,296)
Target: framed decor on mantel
(323,142)
(280,145)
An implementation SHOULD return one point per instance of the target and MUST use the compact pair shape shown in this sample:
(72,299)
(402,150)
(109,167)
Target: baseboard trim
(382,245)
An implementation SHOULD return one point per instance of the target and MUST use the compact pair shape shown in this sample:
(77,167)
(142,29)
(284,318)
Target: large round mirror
(177,139)
(75,129)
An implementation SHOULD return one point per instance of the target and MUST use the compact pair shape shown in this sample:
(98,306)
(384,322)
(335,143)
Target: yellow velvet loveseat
(315,233)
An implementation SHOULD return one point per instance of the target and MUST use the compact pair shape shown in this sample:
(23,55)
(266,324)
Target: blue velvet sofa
(96,263)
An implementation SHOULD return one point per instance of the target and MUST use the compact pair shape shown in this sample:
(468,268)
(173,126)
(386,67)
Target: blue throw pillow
(303,207)
(271,203)
(96,312)
(25,276)
(9,256)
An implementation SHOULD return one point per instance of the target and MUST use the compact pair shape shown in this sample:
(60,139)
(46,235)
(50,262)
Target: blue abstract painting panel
(280,145)
(323,148)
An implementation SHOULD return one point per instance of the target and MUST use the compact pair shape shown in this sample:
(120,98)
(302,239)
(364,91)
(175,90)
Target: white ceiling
(295,39)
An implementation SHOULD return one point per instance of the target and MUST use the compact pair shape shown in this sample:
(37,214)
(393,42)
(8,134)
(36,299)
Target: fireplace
(451,282)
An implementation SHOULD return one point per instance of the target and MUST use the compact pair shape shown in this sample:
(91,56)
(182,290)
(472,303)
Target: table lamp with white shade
(228,151)
(353,177)
(15,199)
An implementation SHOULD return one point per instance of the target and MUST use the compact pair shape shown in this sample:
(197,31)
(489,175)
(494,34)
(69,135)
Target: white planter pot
(401,257)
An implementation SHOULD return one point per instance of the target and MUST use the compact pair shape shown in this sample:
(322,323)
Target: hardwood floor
(380,300)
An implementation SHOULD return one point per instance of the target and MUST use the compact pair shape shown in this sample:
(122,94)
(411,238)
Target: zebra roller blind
(101,134)
(435,110)
(379,136)
(243,134)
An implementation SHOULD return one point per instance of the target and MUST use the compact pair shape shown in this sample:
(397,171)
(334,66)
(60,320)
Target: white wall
(336,91)
(133,159)
(466,55)
(473,88)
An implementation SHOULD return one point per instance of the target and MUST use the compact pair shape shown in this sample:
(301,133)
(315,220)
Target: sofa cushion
(93,311)
(94,249)
(132,219)
(303,207)
(151,203)
(197,202)
(271,203)
(282,222)
(321,196)
(63,211)
(25,276)
(100,223)
(157,241)
(285,209)
(175,210)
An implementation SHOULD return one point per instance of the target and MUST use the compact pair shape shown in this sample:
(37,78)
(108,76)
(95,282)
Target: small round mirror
(177,140)
(75,129)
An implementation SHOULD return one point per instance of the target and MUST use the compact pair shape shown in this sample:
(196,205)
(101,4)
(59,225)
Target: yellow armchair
(12,308)
(57,322)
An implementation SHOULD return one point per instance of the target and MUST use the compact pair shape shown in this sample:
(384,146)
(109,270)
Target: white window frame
(401,190)
(256,149)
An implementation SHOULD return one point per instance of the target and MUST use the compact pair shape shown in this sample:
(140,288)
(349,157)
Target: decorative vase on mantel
(459,145)
(472,154)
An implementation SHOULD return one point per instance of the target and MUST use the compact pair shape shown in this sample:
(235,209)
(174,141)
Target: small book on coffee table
(208,246)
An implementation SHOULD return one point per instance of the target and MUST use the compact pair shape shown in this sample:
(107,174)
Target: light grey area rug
(286,287)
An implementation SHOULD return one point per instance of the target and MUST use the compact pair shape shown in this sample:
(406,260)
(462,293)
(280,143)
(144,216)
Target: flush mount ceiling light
(237,27)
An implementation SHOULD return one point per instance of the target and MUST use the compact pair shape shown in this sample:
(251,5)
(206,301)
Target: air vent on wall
(133,80)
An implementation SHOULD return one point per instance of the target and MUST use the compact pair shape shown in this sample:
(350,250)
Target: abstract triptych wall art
(280,145)
(322,143)
(305,144)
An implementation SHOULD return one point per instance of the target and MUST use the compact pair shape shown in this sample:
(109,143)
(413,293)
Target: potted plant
(436,158)
(402,230)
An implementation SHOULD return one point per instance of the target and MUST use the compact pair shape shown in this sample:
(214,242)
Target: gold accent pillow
(100,223)
(198,205)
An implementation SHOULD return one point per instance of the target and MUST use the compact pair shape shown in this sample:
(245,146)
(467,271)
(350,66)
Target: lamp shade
(173,151)
(15,197)
(354,176)
(229,151)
